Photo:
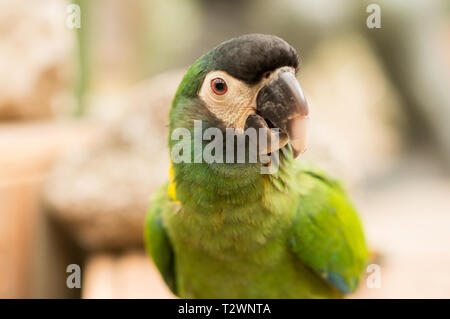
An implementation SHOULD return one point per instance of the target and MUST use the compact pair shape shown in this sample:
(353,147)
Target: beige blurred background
(83,115)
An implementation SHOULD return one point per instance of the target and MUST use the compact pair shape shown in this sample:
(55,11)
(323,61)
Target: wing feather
(157,241)
(327,233)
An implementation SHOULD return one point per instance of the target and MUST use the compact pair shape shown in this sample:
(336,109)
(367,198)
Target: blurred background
(83,115)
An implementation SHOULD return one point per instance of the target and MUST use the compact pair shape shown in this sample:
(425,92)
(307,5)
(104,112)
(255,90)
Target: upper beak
(282,104)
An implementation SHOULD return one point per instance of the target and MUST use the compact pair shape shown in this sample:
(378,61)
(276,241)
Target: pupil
(220,86)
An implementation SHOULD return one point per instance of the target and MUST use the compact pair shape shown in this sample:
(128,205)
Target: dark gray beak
(282,104)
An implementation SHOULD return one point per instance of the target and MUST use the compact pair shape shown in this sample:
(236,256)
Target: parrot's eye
(219,86)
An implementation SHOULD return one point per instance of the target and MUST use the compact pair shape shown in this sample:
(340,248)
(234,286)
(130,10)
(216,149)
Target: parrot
(225,230)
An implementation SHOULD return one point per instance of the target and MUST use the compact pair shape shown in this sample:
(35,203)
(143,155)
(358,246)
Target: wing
(327,234)
(156,239)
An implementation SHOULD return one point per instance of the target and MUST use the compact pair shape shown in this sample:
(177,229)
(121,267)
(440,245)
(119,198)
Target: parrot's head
(246,82)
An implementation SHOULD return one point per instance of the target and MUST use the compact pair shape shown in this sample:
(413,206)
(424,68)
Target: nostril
(267,74)
(269,123)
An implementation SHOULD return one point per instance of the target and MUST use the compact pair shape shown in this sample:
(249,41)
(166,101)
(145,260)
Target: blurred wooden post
(33,255)
(127,275)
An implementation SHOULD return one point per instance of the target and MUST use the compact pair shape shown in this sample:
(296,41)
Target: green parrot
(224,229)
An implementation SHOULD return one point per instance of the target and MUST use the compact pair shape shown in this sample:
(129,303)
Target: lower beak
(282,104)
